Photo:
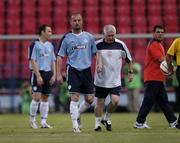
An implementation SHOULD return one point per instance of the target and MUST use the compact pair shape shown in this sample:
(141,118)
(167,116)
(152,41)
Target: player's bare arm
(59,69)
(53,78)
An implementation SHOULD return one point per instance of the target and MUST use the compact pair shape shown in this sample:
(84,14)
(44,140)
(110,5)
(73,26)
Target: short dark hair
(42,28)
(158,26)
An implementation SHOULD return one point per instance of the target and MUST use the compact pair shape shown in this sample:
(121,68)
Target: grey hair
(109,28)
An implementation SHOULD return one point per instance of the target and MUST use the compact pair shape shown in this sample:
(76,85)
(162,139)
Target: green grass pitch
(14,128)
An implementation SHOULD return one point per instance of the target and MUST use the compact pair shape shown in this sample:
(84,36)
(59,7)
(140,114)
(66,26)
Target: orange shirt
(154,51)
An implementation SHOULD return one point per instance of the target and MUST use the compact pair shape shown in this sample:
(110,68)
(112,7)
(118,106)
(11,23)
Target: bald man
(79,46)
(107,80)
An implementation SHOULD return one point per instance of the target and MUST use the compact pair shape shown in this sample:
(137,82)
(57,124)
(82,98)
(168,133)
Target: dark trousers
(178,78)
(155,92)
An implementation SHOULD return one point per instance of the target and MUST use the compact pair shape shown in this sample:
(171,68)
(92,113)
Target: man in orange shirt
(153,79)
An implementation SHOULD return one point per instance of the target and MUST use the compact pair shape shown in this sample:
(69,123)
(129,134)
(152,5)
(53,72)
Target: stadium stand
(129,16)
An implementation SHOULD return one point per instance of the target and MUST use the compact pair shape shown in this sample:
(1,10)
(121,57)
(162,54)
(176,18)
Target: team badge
(34,88)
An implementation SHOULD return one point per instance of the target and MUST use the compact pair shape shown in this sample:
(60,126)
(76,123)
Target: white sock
(33,110)
(44,109)
(83,107)
(107,116)
(97,121)
(74,113)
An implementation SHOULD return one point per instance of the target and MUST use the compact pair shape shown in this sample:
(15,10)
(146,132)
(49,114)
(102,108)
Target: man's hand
(52,80)
(40,81)
(59,78)
(130,77)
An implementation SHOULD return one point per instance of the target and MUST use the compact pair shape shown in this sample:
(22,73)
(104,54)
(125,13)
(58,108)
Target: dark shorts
(102,92)
(80,81)
(46,87)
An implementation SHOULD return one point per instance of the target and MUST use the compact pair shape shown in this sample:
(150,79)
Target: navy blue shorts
(102,92)
(80,81)
(46,87)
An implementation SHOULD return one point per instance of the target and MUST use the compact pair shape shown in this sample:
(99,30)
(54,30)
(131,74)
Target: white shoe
(173,125)
(33,125)
(141,125)
(45,125)
(76,130)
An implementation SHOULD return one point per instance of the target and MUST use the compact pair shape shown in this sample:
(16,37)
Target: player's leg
(101,94)
(74,111)
(150,94)
(112,106)
(87,88)
(178,79)
(36,96)
(163,102)
(98,110)
(84,105)
(44,109)
(74,83)
(44,105)
(34,108)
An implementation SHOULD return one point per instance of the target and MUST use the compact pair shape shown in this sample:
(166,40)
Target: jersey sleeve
(62,48)
(94,48)
(32,51)
(172,50)
(53,55)
(126,54)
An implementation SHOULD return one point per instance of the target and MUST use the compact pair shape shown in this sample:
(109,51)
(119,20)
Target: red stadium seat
(138,10)
(108,20)
(13,16)
(29,27)
(2,30)
(123,11)
(12,59)
(29,8)
(154,10)
(121,3)
(92,19)
(13,26)
(169,2)
(25,72)
(128,43)
(107,15)
(154,2)
(60,18)
(154,20)
(91,3)
(138,2)
(124,24)
(92,25)
(76,6)
(139,46)
(107,2)
(171,24)
(139,24)
(2,53)
(45,20)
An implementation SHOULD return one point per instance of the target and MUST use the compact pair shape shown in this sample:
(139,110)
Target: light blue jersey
(43,54)
(79,49)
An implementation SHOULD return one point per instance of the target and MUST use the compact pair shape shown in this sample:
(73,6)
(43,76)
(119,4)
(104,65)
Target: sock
(33,110)
(107,116)
(44,109)
(97,121)
(74,113)
(83,107)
